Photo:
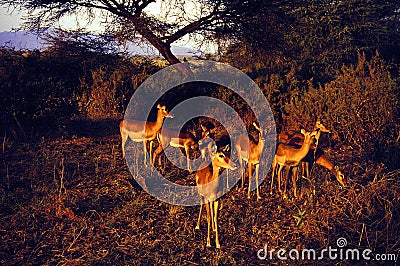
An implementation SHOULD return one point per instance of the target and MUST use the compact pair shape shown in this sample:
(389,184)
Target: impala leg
(201,208)
(273,175)
(216,223)
(155,156)
(306,169)
(241,169)
(250,178)
(156,153)
(227,178)
(285,182)
(208,223)
(144,151)
(212,215)
(150,150)
(279,171)
(124,139)
(203,154)
(294,179)
(187,151)
(258,191)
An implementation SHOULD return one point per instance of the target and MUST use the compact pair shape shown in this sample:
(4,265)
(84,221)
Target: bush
(361,106)
(110,88)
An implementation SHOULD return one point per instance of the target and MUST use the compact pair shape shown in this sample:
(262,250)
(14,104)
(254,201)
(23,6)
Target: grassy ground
(72,201)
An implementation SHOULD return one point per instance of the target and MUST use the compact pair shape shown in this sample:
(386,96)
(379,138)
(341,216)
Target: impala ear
(336,168)
(226,148)
(256,126)
(302,131)
(158,106)
(314,133)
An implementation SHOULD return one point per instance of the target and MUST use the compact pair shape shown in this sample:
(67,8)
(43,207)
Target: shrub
(362,107)
(110,88)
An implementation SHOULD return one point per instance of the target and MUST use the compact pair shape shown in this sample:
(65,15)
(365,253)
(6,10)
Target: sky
(7,21)
(11,20)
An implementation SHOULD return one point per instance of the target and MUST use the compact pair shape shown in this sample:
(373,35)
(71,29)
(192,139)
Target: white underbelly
(244,155)
(136,136)
(175,143)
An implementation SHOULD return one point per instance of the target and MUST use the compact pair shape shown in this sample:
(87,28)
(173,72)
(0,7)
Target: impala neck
(215,172)
(318,133)
(305,147)
(160,120)
(260,144)
(317,136)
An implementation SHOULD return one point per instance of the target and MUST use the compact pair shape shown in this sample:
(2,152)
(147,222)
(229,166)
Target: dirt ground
(71,200)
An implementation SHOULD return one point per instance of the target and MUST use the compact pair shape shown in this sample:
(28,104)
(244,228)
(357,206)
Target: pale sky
(9,22)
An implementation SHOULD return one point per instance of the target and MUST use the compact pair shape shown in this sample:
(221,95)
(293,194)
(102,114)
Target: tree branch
(191,27)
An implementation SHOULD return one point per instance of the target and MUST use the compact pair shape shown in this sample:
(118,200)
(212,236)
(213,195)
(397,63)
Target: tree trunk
(164,49)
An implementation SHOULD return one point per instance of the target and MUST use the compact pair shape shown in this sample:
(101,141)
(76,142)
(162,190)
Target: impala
(207,139)
(325,162)
(139,131)
(209,188)
(177,139)
(296,139)
(290,157)
(249,150)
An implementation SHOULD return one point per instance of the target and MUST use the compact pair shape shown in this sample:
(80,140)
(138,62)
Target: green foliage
(300,218)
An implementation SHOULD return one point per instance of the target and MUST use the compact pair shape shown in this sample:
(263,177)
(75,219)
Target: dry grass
(72,201)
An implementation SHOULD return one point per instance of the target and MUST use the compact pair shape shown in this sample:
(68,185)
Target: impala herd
(294,149)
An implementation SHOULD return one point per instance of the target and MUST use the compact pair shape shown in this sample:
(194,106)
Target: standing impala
(208,140)
(295,139)
(177,139)
(249,150)
(209,188)
(293,136)
(290,157)
(143,131)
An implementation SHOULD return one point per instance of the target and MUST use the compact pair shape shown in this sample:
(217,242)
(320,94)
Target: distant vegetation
(42,89)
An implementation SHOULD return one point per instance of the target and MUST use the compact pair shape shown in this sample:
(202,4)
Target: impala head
(162,111)
(219,159)
(340,176)
(226,148)
(260,132)
(321,127)
(308,136)
(208,129)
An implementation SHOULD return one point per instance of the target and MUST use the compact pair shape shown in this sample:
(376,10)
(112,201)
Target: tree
(132,17)
(320,35)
